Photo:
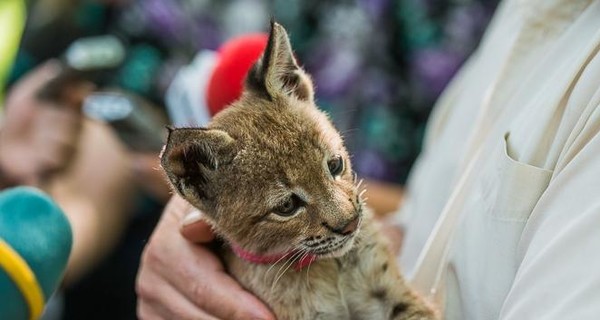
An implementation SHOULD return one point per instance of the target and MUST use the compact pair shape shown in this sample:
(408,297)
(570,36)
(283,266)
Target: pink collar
(305,261)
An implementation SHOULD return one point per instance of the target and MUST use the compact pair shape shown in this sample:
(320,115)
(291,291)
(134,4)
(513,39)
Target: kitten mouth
(334,248)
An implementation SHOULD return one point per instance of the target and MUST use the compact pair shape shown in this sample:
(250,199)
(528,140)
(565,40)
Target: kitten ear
(277,72)
(191,158)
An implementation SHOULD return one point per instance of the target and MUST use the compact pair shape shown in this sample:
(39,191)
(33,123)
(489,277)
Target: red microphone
(236,57)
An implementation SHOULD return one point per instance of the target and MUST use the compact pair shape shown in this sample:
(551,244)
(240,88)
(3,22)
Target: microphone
(236,57)
(213,80)
(35,243)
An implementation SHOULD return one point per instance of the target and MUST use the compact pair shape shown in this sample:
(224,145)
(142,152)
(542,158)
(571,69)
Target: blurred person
(111,193)
(79,162)
(501,210)
(50,146)
(34,229)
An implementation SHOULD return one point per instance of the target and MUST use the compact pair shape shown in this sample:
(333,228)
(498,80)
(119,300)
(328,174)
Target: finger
(36,80)
(228,300)
(178,207)
(196,272)
(192,225)
(148,311)
(164,301)
(216,292)
(21,100)
(56,117)
(44,73)
(195,229)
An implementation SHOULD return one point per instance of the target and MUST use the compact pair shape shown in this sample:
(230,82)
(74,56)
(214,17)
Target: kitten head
(270,172)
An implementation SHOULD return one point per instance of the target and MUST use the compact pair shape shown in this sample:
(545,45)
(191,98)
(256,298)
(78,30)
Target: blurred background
(378,66)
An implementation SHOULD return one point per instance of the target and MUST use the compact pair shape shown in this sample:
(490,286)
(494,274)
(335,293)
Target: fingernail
(192,217)
(261,315)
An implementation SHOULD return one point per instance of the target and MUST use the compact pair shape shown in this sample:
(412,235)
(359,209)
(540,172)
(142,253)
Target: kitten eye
(289,207)
(336,165)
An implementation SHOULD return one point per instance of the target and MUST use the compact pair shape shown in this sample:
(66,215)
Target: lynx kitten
(273,178)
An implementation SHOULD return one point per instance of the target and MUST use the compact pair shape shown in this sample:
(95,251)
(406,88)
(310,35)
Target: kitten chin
(342,250)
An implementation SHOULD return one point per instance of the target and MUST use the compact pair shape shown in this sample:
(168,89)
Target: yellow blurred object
(23,277)
(12,21)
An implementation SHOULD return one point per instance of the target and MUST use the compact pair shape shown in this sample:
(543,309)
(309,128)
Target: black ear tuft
(277,73)
(255,81)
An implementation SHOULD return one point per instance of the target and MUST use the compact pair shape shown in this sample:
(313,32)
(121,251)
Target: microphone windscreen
(36,229)
(236,57)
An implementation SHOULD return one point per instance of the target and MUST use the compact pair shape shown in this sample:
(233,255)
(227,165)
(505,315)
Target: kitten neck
(304,261)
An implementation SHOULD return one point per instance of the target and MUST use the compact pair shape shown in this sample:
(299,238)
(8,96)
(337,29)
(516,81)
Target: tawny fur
(269,145)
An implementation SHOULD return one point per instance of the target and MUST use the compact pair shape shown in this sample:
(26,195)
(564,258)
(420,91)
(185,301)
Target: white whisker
(307,270)
(292,260)
(276,262)
(359,183)
(362,192)
(289,260)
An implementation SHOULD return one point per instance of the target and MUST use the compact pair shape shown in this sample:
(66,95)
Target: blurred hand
(38,137)
(180,278)
(149,176)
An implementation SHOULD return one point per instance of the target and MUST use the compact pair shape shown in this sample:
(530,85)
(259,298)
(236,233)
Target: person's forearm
(95,234)
(96,194)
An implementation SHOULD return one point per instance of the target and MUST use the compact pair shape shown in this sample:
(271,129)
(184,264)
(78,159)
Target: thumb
(195,229)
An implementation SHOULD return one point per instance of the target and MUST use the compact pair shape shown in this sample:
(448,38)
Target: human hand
(39,137)
(180,278)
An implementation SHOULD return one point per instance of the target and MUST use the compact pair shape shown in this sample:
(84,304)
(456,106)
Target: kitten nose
(345,229)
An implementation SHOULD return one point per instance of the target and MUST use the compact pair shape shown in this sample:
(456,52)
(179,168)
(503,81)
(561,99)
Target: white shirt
(503,206)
